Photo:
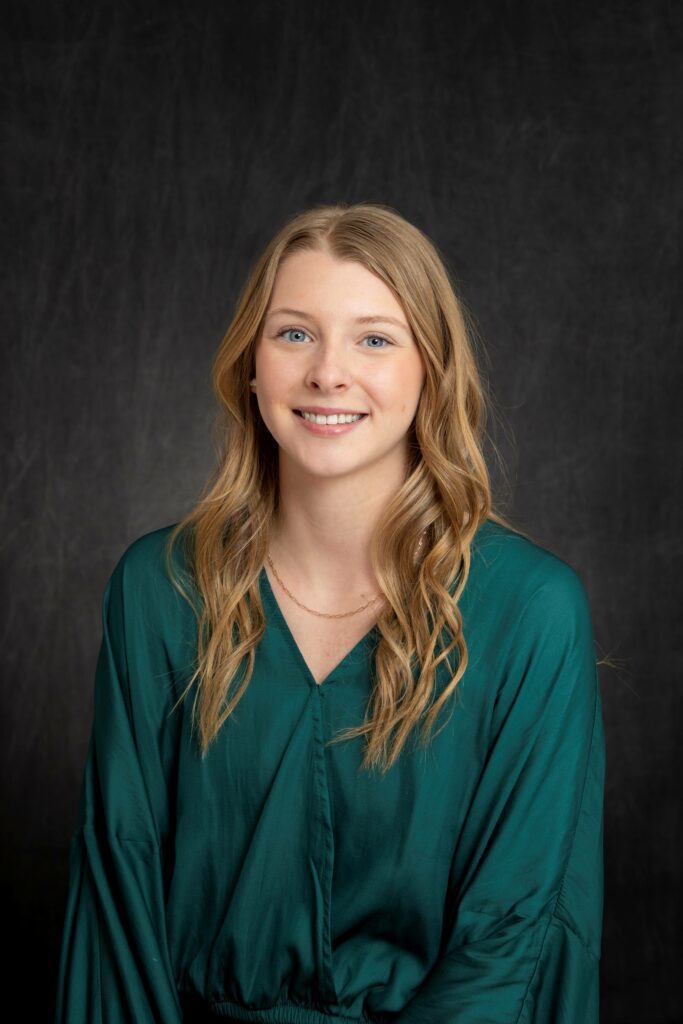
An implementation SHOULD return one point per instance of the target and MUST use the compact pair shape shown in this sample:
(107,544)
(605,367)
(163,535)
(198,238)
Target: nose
(328,369)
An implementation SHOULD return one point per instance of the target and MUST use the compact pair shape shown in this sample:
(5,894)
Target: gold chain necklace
(327,615)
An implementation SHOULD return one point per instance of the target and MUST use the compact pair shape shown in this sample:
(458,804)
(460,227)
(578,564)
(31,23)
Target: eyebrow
(358,320)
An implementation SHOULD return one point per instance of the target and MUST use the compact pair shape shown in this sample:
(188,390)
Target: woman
(385,799)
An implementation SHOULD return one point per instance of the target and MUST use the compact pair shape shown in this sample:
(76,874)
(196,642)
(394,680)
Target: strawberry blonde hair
(446,493)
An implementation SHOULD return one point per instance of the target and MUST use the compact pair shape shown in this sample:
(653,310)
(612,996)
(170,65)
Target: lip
(328,430)
(321,411)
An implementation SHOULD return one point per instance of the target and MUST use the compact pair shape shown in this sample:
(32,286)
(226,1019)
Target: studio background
(150,151)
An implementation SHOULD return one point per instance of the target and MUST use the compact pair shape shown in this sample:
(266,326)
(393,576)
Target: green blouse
(275,882)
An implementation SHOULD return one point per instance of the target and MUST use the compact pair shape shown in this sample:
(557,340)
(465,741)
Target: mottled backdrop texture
(149,151)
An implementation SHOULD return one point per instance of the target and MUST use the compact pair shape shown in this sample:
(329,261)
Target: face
(336,339)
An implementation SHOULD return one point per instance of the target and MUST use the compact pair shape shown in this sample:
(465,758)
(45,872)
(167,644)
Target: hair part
(446,494)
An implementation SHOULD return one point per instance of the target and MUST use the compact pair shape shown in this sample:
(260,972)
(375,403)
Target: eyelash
(285,330)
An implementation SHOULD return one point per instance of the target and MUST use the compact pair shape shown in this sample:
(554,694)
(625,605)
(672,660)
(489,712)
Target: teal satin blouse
(275,882)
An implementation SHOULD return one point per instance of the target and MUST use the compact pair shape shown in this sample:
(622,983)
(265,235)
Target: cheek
(399,389)
(277,376)
(268,381)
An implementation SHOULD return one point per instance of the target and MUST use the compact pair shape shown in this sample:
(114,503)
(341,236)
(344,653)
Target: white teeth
(338,418)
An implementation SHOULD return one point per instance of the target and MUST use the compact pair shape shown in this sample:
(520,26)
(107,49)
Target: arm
(115,963)
(522,934)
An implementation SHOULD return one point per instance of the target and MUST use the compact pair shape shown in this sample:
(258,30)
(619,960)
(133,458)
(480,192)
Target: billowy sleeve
(114,963)
(522,934)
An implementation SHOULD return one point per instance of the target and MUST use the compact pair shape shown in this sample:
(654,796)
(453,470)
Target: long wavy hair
(444,498)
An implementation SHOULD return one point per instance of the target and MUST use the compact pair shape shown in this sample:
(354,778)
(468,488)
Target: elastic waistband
(198,1011)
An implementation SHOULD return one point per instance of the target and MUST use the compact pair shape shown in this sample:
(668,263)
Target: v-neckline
(275,609)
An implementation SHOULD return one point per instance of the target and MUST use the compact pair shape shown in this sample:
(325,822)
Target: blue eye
(290,330)
(377,337)
(299,330)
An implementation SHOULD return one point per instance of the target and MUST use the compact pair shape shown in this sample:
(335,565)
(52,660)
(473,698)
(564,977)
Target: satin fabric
(273,881)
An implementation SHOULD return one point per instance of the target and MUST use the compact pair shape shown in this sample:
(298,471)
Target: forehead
(319,282)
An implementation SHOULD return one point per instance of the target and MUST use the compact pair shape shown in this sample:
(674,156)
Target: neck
(320,541)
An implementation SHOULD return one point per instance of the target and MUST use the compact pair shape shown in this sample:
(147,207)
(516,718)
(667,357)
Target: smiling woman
(299,845)
(324,367)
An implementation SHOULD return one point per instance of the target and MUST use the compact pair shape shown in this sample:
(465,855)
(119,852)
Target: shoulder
(527,623)
(140,585)
(526,586)
(143,562)
(149,636)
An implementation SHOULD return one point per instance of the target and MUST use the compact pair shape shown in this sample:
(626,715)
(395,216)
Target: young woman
(384,800)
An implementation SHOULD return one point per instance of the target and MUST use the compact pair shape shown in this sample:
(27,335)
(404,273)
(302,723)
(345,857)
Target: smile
(329,426)
(337,417)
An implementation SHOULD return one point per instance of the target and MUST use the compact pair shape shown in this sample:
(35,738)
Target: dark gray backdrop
(150,151)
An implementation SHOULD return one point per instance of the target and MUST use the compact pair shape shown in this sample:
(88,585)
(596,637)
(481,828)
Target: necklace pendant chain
(327,615)
(322,615)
